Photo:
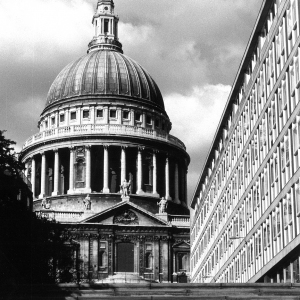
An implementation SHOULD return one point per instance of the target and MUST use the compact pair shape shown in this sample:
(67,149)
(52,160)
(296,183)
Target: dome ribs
(123,80)
(112,75)
(100,73)
(88,75)
(51,97)
(136,78)
(67,79)
(155,94)
(145,89)
(78,73)
(104,72)
(134,85)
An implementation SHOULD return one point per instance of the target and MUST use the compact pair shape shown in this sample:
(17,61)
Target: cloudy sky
(192,49)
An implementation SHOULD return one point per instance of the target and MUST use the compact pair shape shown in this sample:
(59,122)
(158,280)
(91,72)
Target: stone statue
(87,202)
(163,205)
(46,204)
(125,188)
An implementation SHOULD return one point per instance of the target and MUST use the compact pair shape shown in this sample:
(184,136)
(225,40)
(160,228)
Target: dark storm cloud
(192,48)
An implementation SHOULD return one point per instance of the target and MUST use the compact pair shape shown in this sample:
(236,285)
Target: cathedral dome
(105,72)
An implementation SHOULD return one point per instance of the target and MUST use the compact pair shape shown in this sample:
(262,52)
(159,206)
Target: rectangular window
(106,22)
(289,22)
(113,114)
(275,167)
(272,172)
(287,152)
(292,79)
(53,121)
(297,199)
(282,44)
(86,114)
(73,115)
(280,102)
(282,154)
(61,118)
(294,13)
(148,120)
(274,223)
(278,222)
(297,70)
(284,97)
(126,114)
(156,123)
(138,117)
(99,113)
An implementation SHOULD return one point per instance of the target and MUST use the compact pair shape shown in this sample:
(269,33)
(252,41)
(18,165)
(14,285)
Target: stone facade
(246,223)
(104,127)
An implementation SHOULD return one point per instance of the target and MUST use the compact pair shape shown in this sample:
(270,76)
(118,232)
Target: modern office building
(104,158)
(246,223)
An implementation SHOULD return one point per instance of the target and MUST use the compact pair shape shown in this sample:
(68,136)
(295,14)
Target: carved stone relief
(127,217)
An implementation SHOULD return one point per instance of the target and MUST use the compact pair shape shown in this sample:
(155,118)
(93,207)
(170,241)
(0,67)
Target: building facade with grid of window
(104,159)
(246,223)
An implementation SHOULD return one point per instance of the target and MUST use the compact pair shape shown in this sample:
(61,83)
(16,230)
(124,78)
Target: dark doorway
(125,257)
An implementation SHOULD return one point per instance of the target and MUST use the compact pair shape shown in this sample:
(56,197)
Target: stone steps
(158,291)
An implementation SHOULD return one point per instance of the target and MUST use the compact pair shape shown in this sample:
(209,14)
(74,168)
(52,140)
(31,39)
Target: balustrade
(69,131)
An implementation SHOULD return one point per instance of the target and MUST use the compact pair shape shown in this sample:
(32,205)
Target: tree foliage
(33,249)
(10,168)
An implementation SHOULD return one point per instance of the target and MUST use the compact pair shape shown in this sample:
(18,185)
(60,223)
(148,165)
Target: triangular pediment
(126,213)
(182,245)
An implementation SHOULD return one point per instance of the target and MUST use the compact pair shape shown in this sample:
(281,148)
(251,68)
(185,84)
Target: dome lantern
(105,27)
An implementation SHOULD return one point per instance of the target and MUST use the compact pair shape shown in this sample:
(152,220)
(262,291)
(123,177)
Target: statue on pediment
(87,202)
(163,205)
(46,204)
(125,186)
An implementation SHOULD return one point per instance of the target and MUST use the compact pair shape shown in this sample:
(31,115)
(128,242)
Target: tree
(33,249)
(10,168)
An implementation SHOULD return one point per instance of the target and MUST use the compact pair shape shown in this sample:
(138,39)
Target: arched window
(183,263)
(149,260)
(102,259)
(80,171)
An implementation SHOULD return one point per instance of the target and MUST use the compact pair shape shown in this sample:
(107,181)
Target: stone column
(176,185)
(33,176)
(167,177)
(105,170)
(71,176)
(43,175)
(88,169)
(123,164)
(26,168)
(185,187)
(140,171)
(154,183)
(56,172)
